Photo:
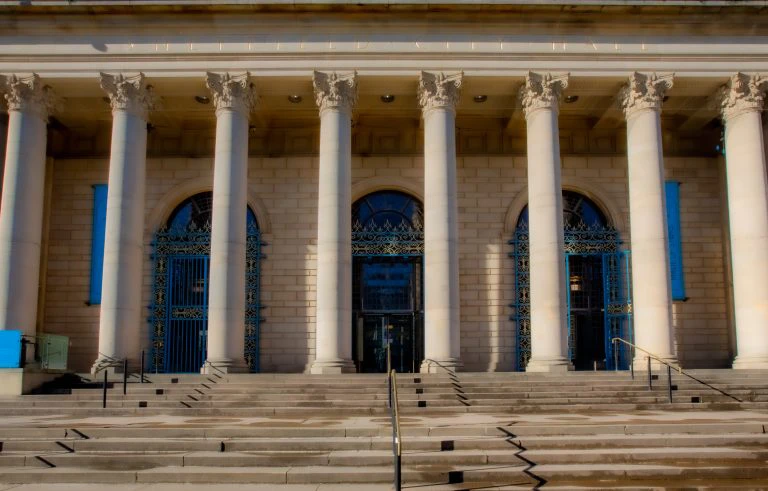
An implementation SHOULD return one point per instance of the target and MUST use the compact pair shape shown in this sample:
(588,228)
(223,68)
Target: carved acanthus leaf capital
(744,93)
(335,91)
(437,90)
(129,93)
(29,94)
(233,92)
(644,91)
(542,91)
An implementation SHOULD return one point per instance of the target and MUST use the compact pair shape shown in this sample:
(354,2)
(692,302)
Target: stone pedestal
(234,99)
(741,103)
(21,211)
(641,100)
(336,96)
(540,99)
(438,95)
(121,317)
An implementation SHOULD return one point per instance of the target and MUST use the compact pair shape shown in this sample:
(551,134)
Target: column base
(640,362)
(750,363)
(550,365)
(444,365)
(328,367)
(218,367)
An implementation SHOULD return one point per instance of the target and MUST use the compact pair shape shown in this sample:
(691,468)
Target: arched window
(578,212)
(387,292)
(179,309)
(597,286)
(387,207)
(195,212)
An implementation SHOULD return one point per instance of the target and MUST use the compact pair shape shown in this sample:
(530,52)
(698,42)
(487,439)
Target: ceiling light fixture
(295,98)
(570,99)
(480,98)
(387,98)
(202,99)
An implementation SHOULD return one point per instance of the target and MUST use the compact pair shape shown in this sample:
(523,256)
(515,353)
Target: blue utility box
(10,349)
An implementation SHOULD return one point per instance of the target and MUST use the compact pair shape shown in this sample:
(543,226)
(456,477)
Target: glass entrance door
(400,332)
(388,314)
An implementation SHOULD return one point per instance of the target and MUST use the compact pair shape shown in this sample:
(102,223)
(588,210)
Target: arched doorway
(179,308)
(597,285)
(387,285)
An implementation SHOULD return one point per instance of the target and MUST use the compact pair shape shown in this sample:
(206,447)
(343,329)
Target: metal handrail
(648,353)
(397,441)
(394,412)
(650,356)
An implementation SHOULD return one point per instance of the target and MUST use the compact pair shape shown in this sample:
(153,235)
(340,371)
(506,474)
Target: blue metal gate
(597,241)
(179,308)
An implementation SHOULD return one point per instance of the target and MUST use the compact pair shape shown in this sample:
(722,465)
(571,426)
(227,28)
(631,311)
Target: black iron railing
(394,413)
(650,356)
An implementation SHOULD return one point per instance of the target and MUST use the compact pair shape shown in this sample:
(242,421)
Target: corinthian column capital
(742,94)
(29,94)
(644,91)
(437,90)
(542,91)
(335,91)
(232,91)
(128,93)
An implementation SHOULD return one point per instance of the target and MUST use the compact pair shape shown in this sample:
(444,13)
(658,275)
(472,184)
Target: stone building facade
(559,125)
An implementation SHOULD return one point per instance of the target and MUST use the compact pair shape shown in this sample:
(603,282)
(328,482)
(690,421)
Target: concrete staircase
(465,431)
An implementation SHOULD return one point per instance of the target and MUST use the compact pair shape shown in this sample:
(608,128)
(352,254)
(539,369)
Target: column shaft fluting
(641,100)
(21,211)
(335,97)
(741,105)
(120,321)
(233,97)
(549,345)
(438,96)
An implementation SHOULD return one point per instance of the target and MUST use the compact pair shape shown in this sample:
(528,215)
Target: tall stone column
(234,98)
(335,96)
(540,98)
(21,211)
(741,103)
(438,96)
(120,321)
(641,101)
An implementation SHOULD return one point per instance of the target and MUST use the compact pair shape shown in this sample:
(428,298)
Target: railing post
(615,355)
(125,376)
(650,376)
(669,382)
(104,395)
(389,390)
(141,380)
(632,367)
(398,479)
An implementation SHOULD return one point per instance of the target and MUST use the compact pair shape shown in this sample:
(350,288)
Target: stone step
(501,440)
(555,473)
(681,456)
